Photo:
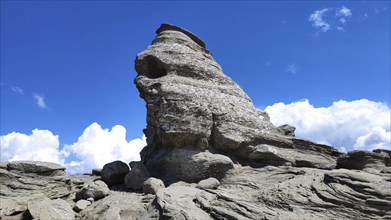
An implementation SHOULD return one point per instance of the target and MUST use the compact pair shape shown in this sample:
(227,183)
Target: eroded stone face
(192,104)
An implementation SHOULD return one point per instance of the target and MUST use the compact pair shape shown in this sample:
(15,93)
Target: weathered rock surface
(152,185)
(47,209)
(210,183)
(38,167)
(114,173)
(96,190)
(189,165)
(191,104)
(81,205)
(116,206)
(375,161)
(137,175)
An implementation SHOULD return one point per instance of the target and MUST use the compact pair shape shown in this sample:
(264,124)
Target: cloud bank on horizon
(93,149)
(354,125)
(346,125)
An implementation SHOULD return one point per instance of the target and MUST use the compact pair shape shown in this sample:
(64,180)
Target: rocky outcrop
(36,167)
(376,161)
(191,104)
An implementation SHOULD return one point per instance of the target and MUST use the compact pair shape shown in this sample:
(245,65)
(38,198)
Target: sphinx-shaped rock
(192,104)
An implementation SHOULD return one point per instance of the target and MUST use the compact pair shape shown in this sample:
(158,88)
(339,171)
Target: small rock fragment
(210,183)
(95,190)
(152,185)
(81,205)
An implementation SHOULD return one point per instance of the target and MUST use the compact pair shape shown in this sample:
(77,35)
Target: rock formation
(194,109)
(210,154)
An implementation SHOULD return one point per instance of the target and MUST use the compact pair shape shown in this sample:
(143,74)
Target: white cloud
(17,90)
(291,68)
(40,100)
(359,124)
(98,146)
(377,138)
(340,28)
(317,17)
(344,11)
(40,145)
(342,20)
(93,149)
(319,21)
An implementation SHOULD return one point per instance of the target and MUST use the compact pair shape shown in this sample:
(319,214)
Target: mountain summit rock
(195,110)
(210,154)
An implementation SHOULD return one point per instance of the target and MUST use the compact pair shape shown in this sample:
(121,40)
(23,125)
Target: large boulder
(137,175)
(189,165)
(192,104)
(114,173)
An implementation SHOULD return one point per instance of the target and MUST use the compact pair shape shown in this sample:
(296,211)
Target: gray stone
(210,183)
(47,209)
(114,173)
(11,207)
(117,205)
(81,205)
(287,130)
(96,190)
(178,202)
(16,184)
(265,154)
(189,165)
(365,160)
(192,105)
(136,176)
(152,185)
(38,167)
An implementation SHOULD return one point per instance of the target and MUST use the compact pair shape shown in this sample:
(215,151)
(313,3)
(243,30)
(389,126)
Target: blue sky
(68,64)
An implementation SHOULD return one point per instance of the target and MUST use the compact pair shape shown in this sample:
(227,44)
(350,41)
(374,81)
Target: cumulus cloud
(41,145)
(347,125)
(93,149)
(377,138)
(40,100)
(317,19)
(98,146)
(17,90)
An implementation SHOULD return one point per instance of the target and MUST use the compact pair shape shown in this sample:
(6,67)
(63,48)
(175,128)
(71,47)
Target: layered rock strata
(193,108)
